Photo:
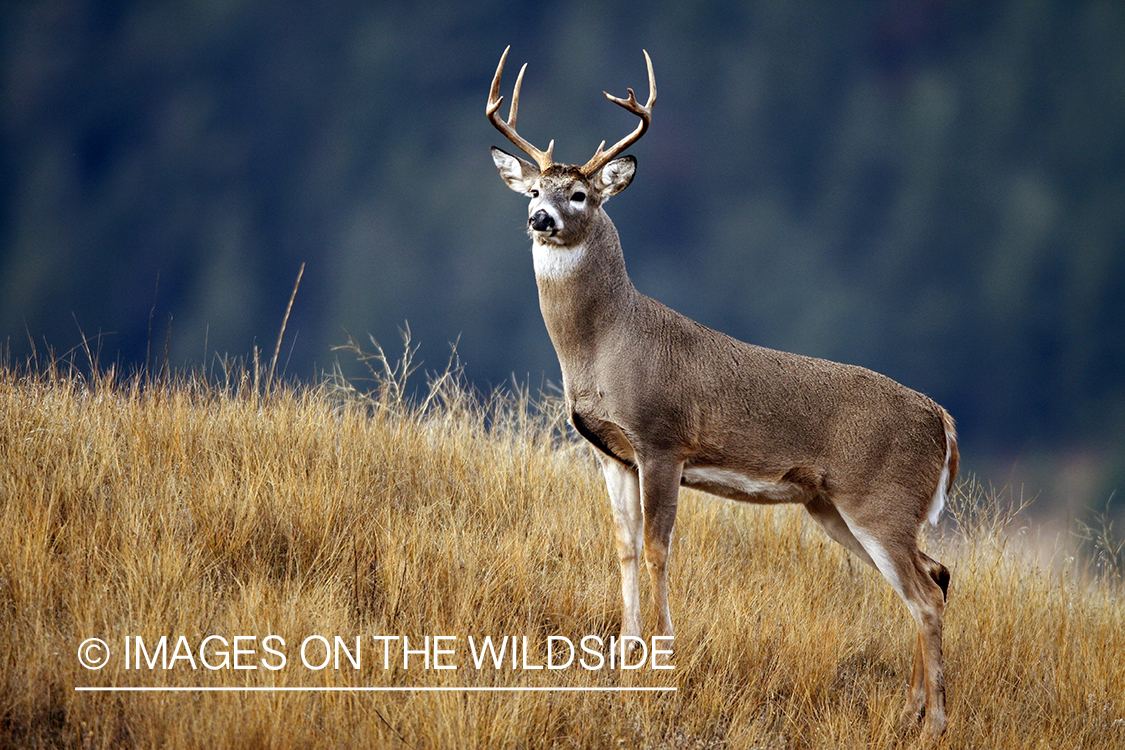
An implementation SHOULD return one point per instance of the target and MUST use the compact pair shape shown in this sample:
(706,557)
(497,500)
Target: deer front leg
(660,493)
(625,498)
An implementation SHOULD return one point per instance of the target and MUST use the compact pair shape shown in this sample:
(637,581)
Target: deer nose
(541,221)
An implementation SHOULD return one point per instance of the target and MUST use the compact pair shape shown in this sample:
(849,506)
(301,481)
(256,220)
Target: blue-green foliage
(932,189)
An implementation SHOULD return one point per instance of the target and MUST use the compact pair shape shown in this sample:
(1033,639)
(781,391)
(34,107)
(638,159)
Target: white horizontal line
(466,689)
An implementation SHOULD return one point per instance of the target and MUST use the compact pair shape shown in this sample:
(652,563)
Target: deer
(668,403)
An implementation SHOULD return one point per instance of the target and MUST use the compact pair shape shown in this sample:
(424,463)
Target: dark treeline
(934,189)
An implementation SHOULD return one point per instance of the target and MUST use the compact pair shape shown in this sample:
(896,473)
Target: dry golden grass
(186,508)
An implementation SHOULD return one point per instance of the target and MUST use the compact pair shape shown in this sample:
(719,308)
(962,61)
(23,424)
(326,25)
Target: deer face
(563,199)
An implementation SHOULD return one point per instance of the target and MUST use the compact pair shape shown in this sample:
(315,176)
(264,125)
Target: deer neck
(584,293)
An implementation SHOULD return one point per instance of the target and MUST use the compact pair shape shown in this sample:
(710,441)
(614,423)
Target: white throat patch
(556,261)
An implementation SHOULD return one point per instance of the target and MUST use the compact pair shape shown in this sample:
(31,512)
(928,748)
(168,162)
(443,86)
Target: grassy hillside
(203,512)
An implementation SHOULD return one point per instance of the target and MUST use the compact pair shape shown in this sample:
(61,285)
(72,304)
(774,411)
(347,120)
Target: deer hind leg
(660,492)
(625,498)
(833,523)
(926,602)
(916,695)
(921,582)
(927,682)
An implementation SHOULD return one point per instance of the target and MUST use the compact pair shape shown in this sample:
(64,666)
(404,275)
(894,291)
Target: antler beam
(601,158)
(542,158)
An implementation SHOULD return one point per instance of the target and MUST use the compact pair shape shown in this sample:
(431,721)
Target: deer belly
(736,486)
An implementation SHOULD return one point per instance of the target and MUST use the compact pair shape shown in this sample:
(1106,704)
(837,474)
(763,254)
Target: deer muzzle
(541,221)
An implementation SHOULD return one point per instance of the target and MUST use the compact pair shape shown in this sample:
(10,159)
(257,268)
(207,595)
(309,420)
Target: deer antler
(601,158)
(542,158)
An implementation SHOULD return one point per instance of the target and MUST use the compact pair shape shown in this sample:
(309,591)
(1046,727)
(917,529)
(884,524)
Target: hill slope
(292,540)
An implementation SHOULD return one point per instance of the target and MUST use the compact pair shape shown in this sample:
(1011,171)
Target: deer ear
(519,174)
(616,176)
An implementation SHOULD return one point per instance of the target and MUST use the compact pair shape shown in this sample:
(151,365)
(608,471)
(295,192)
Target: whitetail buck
(667,402)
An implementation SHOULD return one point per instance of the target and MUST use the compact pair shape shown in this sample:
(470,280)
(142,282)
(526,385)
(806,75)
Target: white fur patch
(938,502)
(764,491)
(878,555)
(556,261)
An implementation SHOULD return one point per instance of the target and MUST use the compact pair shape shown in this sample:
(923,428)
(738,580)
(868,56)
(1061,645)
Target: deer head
(564,197)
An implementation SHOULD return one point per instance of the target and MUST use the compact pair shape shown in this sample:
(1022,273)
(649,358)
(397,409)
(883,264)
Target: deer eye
(578,197)
(534,193)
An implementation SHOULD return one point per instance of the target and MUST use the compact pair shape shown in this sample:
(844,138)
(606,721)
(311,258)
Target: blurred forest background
(934,189)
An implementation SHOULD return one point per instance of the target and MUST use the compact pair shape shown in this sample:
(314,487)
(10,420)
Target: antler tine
(542,158)
(601,158)
(516,96)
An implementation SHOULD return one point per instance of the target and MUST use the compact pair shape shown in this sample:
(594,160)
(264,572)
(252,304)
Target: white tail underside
(938,503)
